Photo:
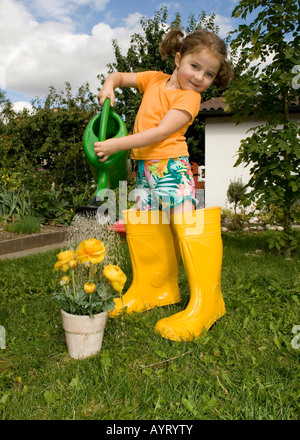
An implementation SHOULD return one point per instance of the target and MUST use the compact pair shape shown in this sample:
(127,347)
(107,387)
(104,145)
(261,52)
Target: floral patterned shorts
(163,184)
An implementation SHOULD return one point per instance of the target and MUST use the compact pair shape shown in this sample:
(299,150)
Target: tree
(143,54)
(264,88)
(6,110)
(43,148)
(235,192)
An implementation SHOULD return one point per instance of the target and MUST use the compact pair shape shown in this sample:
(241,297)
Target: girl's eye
(194,66)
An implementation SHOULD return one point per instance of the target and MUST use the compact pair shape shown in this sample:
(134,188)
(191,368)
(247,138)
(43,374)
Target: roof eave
(220,112)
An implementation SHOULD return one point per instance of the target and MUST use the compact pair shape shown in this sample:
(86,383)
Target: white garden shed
(222,141)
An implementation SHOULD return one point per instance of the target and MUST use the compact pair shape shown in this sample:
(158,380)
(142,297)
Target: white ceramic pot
(84,334)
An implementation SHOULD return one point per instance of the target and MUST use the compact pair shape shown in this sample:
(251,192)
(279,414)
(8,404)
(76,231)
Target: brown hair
(174,42)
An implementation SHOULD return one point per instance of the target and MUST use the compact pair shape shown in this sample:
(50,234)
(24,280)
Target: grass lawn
(244,368)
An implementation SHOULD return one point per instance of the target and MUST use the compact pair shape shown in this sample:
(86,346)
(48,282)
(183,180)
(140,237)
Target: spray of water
(99,227)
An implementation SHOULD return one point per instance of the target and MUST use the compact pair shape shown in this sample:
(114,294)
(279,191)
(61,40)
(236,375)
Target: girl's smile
(195,71)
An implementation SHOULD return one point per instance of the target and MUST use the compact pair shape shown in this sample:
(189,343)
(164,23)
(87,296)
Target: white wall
(222,141)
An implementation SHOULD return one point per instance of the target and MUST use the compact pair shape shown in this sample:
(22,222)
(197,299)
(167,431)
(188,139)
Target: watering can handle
(104,120)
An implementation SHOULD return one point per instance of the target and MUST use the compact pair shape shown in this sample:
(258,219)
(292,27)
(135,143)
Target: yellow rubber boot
(155,260)
(199,236)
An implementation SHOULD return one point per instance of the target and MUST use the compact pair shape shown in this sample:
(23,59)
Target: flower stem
(74,285)
(92,272)
(66,291)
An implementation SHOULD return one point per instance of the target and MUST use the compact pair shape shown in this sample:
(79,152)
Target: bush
(235,192)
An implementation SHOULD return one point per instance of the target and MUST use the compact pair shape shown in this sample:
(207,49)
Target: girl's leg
(199,237)
(154,261)
(186,206)
(153,252)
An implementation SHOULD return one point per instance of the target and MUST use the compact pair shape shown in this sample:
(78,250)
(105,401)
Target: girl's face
(196,71)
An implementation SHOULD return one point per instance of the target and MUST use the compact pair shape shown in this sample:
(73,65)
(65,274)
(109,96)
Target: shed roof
(216,106)
(212,107)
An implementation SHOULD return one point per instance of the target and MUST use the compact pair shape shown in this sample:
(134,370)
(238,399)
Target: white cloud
(20,105)
(224,24)
(2,78)
(61,10)
(171,6)
(131,20)
(37,54)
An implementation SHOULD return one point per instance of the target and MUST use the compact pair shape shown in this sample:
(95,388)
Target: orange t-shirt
(156,102)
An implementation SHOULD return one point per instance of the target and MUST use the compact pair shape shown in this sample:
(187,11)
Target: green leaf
(237,12)
(160,353)
(294,186)
(189,405)
(277,342)
(4,399)
(108,305)
(50,397)
(212,402)
(75,383)
(105,360)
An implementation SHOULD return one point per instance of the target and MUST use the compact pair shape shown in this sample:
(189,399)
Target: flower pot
(83,334)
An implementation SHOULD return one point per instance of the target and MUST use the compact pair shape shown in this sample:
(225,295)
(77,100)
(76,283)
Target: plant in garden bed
(14,202)
(235,193)
(24,224)
(235,221)
(87,290)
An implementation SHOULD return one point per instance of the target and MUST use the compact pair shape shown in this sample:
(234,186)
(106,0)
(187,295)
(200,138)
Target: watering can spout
(105,125)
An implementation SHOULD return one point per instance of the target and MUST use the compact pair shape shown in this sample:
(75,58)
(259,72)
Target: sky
(47,43)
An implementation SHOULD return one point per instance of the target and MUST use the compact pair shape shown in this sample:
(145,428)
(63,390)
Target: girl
(169,106)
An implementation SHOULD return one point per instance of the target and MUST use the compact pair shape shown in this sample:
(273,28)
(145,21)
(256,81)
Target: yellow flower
(65,280)
(63,260)
(92,250)
(116,277)
(72,264)
(89,287)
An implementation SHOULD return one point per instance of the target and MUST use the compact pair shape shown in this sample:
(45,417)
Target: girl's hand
(112,82)
(106,148)
(106,92)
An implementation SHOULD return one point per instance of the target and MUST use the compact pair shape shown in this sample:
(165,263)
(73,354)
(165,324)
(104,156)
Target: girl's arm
(173,121)
(112,82)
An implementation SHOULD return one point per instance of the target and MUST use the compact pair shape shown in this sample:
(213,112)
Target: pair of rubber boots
(155,245)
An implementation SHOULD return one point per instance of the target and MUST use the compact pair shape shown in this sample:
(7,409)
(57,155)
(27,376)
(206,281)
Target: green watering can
(105,125)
